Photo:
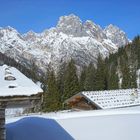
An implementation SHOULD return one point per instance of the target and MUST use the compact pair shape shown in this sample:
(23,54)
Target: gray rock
(71,38)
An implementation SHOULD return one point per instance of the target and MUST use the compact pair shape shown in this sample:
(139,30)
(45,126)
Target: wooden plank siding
(21,101)
(2,124)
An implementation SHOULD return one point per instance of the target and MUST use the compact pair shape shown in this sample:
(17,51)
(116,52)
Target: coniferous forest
(119,70)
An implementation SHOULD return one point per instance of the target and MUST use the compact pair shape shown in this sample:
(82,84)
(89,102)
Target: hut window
(11,86)
(9,77)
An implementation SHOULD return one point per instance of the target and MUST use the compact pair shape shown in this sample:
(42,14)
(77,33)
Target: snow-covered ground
(13,112)
(112,124)
(116,127)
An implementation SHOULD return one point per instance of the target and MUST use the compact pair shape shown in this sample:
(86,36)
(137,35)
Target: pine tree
(100,76)
(60,80)
(126,81)
(82,79)
(113,79)
(136,49)
(71,83)
(133,79)
(51,97)
(89,84)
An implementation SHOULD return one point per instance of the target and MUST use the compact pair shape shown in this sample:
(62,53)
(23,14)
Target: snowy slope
(71,38)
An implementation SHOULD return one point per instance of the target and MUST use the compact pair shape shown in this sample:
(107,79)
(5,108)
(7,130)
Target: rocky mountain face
(71,38)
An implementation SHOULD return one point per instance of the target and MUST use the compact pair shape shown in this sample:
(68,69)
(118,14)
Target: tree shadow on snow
(35,128)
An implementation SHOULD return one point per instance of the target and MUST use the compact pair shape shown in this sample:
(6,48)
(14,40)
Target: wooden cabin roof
(110,98)
(19,86)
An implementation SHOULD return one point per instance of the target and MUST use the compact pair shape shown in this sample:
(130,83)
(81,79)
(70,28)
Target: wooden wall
(2,124)
(81,103)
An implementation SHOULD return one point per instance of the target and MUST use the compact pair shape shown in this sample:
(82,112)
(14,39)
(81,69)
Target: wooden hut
(107,99)
(79,101)
(21,93)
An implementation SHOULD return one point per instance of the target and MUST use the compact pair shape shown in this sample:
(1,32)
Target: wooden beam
(20,101)
(22,97)
(2,125)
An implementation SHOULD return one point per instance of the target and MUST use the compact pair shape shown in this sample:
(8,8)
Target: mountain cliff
(71,38)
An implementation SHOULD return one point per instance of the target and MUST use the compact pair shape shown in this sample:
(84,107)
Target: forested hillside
(119,70)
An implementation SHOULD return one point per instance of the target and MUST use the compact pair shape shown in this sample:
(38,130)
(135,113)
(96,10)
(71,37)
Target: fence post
(2,125)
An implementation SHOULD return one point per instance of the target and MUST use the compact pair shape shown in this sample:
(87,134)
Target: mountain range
(70,39)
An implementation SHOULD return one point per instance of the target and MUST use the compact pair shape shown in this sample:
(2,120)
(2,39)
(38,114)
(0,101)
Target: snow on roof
(19,86)
(114,98)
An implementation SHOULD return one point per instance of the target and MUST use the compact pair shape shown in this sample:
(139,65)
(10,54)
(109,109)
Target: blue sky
(37,15)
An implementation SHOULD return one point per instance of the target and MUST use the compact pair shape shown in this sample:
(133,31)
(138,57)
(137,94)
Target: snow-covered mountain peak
(68,19)
(91,24)
(94,30)
(9,28)
(71,38)
(70,25)
(113,29)
(8,34)
(8,31)
(46,32)
(12,43)
(115,34)
(31,32)
(30,36)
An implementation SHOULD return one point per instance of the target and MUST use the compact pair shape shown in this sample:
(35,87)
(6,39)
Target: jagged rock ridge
(71,38)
